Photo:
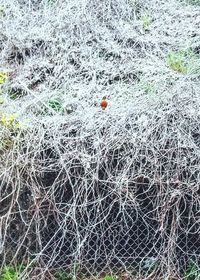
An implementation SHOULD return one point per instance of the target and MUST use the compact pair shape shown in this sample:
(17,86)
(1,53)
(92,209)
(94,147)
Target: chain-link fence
(119,206)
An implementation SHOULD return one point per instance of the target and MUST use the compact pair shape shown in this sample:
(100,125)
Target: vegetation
(80,184)
(192,271)
(15,93)
(176,61)
(10,121)
(183,61)
(62,275)
(149,87)
(145,22)
(108,277)
(11,272)
(194,2)
(2,10)
(56,105)
(3,77)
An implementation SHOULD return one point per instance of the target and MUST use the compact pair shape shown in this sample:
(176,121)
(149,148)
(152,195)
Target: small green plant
(51,1)
(149,87)
(183,61)
(8,273)
(176,61)
(56,105)
(10,121)
(108,277)
(3,77)
(145,22)
(63,275)
(15,93)
(2,10)
(194,2)
(192,271)
(1,100)
(11,273)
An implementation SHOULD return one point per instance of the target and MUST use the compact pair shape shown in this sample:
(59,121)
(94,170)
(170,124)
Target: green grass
(108,277)
(63,275)
(3,77)
(194,2)
(56,105)
(192,271)
(149,87)
(145,22)
(15,93)
(182,61)
(176,61)
(11,272)
(2,10)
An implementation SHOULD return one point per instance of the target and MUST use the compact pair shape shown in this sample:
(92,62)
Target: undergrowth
(102,188)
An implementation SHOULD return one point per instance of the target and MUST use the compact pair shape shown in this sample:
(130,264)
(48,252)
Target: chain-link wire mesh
(86,192)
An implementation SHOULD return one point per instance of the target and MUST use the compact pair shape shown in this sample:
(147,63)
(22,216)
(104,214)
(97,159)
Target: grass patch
(11,272)
(145,22)
(108,277)
(192,272)
(194,2)
(183,61)
(63,275)
(3,77)
(55,104)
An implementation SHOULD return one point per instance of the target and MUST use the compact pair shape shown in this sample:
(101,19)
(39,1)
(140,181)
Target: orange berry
(104,103)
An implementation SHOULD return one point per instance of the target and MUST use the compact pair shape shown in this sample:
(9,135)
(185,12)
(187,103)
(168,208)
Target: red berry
(104,104)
